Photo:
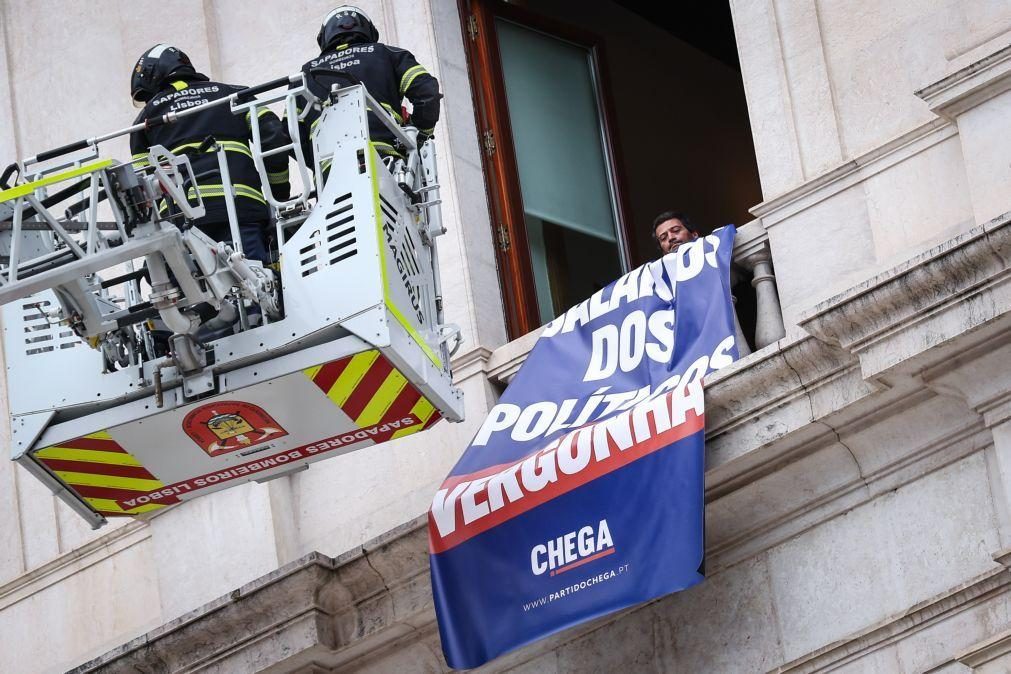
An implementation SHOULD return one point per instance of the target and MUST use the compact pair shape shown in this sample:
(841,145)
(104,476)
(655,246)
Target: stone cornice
(768,379)
(505,362)
(999,646)
(919,617)
(970,86)
(969,375)
(470,363)
(772,404)
(920,295)
(327,610)
(775,210)
(291,586)
(75,561)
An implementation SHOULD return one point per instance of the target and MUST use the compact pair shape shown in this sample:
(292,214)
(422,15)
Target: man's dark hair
(674,215)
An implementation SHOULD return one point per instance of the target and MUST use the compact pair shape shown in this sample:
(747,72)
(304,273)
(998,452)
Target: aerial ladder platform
(148,364)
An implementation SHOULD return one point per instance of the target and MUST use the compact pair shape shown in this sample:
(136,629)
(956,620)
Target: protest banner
(582,492)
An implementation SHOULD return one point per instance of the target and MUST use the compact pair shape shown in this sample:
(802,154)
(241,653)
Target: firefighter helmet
(344,24)
(154,67)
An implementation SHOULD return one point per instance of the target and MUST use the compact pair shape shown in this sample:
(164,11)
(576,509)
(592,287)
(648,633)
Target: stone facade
(859,463)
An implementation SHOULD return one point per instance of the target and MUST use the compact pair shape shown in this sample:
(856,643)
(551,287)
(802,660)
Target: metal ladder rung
(277,150)
(44,263)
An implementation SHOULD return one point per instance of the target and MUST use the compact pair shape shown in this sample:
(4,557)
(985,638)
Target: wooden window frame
(498,156)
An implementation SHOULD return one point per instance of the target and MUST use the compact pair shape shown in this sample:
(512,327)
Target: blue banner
(582,492)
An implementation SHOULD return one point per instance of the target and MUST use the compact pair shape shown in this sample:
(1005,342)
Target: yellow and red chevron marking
(371,391)
(100,471)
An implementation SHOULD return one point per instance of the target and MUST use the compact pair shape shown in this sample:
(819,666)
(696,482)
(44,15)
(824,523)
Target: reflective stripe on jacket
(232,132)
(389,73)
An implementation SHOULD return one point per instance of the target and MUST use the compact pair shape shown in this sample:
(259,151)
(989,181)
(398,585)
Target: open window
(594,117)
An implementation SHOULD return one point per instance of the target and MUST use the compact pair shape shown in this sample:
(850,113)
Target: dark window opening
(596,115)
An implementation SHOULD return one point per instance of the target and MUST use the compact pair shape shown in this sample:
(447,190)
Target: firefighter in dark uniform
(163,81)
(349,45)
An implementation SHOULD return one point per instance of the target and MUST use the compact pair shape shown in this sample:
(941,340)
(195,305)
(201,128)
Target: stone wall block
(759,443)
(11,555)
(372,610)
(877,54)
(895,434)
(832,580)
(627,644)
(748,511)
(770,404)
(385,585)
(217,525)
(908,289)
(919,200)
(845,394)
(420,656)
(546,663)
(735,392)
(880,661)
(794,365)
(978,100)
(884,557)
(725,624)
(952,633)
(810,86)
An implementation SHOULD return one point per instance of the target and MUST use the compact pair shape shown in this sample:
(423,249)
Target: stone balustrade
(751,252)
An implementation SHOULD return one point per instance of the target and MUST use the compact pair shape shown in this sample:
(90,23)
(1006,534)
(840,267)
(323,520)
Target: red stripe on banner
(88,491)
(565,483)
(432,420)
(585,560)
(328,374)
(92,443)
(367,388)
(97,468)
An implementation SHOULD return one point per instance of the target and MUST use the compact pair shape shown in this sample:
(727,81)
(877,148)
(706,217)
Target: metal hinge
(503,238)
(489,142)
(472,27)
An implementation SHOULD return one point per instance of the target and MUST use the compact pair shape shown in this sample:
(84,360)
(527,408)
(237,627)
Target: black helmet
(154,67)
(344,24)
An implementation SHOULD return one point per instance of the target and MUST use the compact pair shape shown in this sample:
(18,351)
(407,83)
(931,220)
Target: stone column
(769,327)
(751,251)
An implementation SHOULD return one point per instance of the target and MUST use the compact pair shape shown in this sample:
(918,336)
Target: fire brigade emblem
(226,426)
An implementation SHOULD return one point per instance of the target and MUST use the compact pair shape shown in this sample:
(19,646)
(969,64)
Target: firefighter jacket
(389,74)
(232,132)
